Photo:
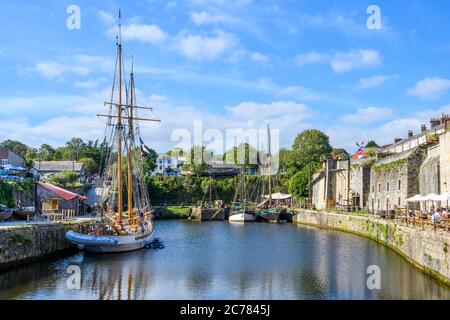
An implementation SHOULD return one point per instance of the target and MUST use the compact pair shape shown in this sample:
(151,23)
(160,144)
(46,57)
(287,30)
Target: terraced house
(418,164)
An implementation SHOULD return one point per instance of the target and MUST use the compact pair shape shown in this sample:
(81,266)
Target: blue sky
(231,64)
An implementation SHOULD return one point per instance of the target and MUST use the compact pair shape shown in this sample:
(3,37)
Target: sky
(235,64)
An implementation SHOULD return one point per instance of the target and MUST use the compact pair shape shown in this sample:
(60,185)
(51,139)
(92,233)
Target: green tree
(15,146)
(299,183)
(243,154)
(150,162)
(90,166)
(372,144)
(309,146)
(66,179)
(198,159)
(339,152)
(45,153)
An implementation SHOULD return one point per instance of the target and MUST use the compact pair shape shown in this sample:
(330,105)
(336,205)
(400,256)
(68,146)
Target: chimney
(423,128)
(434,123)
(397,140)
(410,133)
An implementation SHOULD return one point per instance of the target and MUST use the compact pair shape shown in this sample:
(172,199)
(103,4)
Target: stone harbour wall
(426,249)
(22,244)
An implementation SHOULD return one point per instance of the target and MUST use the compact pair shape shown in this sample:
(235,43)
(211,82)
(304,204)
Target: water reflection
(226,261)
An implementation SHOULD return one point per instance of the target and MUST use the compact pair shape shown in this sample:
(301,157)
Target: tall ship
(124,220)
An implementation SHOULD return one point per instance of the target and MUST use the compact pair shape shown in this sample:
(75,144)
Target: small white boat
(108,244)
(242,217)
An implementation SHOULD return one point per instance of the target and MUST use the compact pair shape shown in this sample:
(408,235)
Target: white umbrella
(444,197)
(278,196)
(432,197)
(416,198)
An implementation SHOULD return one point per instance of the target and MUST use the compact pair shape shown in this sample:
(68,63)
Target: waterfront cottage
(53,199)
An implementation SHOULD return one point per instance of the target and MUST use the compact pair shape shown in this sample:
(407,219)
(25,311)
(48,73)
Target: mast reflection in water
(228,261)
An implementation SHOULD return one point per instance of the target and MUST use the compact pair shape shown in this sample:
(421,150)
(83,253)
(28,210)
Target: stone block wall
(23,244)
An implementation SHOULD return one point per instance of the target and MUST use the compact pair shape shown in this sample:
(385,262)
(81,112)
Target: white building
(169,165)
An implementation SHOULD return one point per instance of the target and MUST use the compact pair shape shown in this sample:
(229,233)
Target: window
(399,201)
(387,186)
(399,184)
(373,188)
(379,187)
(4,162)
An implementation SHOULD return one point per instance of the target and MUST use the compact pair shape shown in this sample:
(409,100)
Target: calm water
(226,261)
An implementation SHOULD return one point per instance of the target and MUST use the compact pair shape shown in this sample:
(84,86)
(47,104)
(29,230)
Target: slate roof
(57,166)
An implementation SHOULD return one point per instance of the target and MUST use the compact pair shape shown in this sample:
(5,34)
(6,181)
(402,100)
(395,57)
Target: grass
(174,210)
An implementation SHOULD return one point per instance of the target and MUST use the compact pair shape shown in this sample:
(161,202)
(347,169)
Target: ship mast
(119,129)
(130,137)
(120,132)
(270,165)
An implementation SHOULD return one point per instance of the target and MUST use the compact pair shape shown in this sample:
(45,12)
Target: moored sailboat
(240,212)
(269,211)
(119,230)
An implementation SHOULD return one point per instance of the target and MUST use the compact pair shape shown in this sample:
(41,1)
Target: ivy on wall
(7,189)
(390,165)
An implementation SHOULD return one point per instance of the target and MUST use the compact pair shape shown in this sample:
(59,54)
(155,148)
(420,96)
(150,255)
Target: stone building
(415,165)
(395,178)
(343,183)
(49,168)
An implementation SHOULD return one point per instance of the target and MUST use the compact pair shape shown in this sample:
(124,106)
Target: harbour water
(219,260)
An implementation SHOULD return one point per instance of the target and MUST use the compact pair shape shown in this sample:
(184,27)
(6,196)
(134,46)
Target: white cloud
(354,59)
(310,58)
(88,84)
(383,132)
(262,111)
(80,65)
(56,70)
(199,47)
(203,17)
(147,33)
(256,56)
(372,82)
(106,17)
(367,115)
(430,88)
(298,92)
(341,61)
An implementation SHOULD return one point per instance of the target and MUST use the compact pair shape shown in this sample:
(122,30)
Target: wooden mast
(130,139)
(119,130)
(270,165)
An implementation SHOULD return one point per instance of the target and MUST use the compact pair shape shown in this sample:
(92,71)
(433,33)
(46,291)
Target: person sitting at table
(424,215)
(435,218)
(444,213)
